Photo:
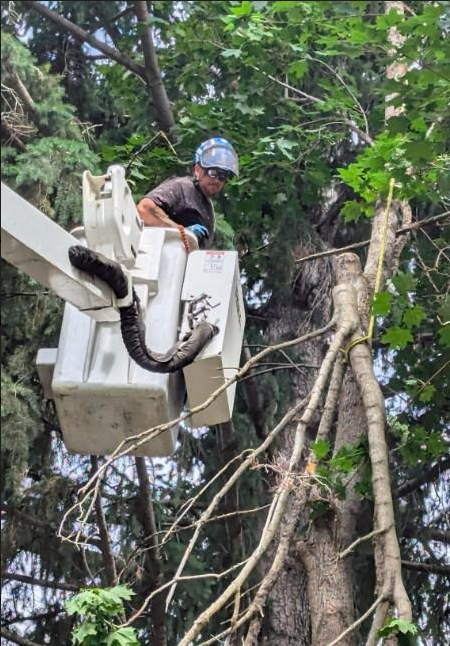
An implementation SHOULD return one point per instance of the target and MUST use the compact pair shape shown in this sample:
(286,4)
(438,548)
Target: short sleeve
(168,196)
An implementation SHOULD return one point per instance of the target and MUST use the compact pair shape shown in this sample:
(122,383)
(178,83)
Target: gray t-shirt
(184,203)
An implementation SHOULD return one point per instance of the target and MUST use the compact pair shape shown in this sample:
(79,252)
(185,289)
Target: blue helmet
(217,153)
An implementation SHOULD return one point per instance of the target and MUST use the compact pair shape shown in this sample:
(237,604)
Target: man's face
(210,186)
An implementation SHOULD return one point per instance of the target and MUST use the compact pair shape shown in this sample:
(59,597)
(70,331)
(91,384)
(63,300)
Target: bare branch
(427,534)
(359,540)
(357,623)
(290,415)
(54,585)
(429,474)
(364,243)
(268,582)
(44,525)
(28,102)
(17,639)
(11,136)
(43,615)
(431,568)
(377,623)
(388,567)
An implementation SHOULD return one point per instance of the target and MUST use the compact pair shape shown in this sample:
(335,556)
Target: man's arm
(153,215)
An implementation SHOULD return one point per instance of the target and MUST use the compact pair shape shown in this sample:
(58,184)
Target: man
(185,202)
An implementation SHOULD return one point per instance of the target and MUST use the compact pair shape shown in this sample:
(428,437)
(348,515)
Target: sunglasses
(222,175)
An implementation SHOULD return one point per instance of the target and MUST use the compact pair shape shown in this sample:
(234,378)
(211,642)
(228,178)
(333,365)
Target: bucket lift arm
(39,247)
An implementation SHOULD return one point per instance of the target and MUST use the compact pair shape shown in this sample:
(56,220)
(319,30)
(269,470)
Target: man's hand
(200,231)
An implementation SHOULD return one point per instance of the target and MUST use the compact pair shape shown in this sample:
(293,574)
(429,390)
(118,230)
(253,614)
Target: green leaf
(444,336)
(444,309)
(82,602)
(398,626)
(398,124)
(283,5)
(397,337)
(404,282)
(298,69)
(351,211)
(320,449)
(427,393)
(123,637)
(86,629)
(109,153)
(244,9)
(235,53)
(381,303)
(413,316)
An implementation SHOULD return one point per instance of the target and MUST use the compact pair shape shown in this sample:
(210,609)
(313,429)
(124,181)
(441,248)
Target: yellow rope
(379,275)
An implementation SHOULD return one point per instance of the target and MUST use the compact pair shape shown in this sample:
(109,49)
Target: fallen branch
(282,495)
(290,415)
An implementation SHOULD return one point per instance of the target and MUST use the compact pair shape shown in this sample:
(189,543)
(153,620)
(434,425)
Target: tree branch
(44,525)
(17,639)
(364,243)
(84,37)
(54,585)
(358,622)
(105,545)
(428,475)
(254,400)
(27,101)
(153,556)
(388,568)
(431,568)
(152,72)
(43,615)
(11,136)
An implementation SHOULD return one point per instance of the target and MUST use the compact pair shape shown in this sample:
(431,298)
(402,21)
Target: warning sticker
(214,261)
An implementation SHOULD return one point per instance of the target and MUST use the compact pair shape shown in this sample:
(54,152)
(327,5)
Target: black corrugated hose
(131,322)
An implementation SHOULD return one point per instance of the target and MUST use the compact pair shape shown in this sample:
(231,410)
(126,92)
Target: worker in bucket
(185,202)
